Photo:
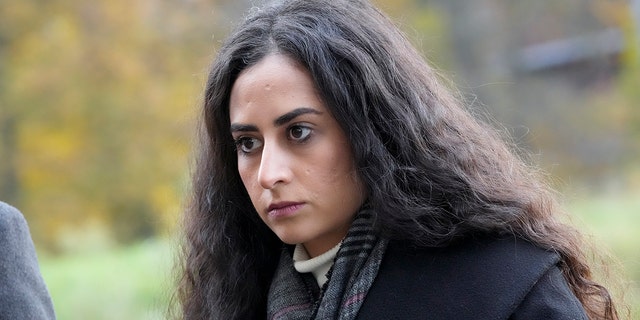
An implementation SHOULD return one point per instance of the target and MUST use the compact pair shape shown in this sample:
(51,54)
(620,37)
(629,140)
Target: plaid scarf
(296,296)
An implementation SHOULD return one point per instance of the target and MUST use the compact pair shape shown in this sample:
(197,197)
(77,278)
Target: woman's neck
(318,266)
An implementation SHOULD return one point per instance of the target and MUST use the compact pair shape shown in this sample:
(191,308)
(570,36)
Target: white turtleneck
(318,266)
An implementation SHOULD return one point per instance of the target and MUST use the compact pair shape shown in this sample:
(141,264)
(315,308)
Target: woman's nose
(274,166)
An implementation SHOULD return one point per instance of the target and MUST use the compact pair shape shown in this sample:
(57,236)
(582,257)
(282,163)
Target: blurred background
(99,99)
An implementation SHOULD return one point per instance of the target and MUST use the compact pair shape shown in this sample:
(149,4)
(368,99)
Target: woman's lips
(283,209)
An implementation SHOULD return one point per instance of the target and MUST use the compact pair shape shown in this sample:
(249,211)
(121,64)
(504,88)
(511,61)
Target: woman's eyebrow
(235,127)
(285,118)
(281,120)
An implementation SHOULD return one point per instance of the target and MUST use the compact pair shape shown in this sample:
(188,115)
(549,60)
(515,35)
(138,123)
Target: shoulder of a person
(16,246)
(8,212)
(486,254)
(23,293)
(478,277)
(474,261)
(12,222)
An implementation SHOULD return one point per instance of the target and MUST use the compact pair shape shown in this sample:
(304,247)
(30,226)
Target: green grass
(135,282)
(126,283)
(613,224)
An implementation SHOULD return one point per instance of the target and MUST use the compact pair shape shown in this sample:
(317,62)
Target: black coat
(23,294)
(475,279)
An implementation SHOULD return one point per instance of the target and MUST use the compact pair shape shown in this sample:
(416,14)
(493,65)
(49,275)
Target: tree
(97,107)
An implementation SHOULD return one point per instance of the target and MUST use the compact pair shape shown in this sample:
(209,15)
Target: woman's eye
(299,133)
(247,144)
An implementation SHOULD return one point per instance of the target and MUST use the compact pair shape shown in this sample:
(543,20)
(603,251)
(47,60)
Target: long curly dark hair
(433,172)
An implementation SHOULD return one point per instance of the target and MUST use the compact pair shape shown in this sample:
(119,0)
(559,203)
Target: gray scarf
(296,296)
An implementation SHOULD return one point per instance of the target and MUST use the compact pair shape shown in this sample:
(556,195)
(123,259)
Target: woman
(337,178)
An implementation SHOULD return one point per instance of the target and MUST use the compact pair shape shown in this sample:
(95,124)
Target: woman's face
(293,157)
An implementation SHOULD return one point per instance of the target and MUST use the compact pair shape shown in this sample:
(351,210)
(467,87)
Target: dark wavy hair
(434,174)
